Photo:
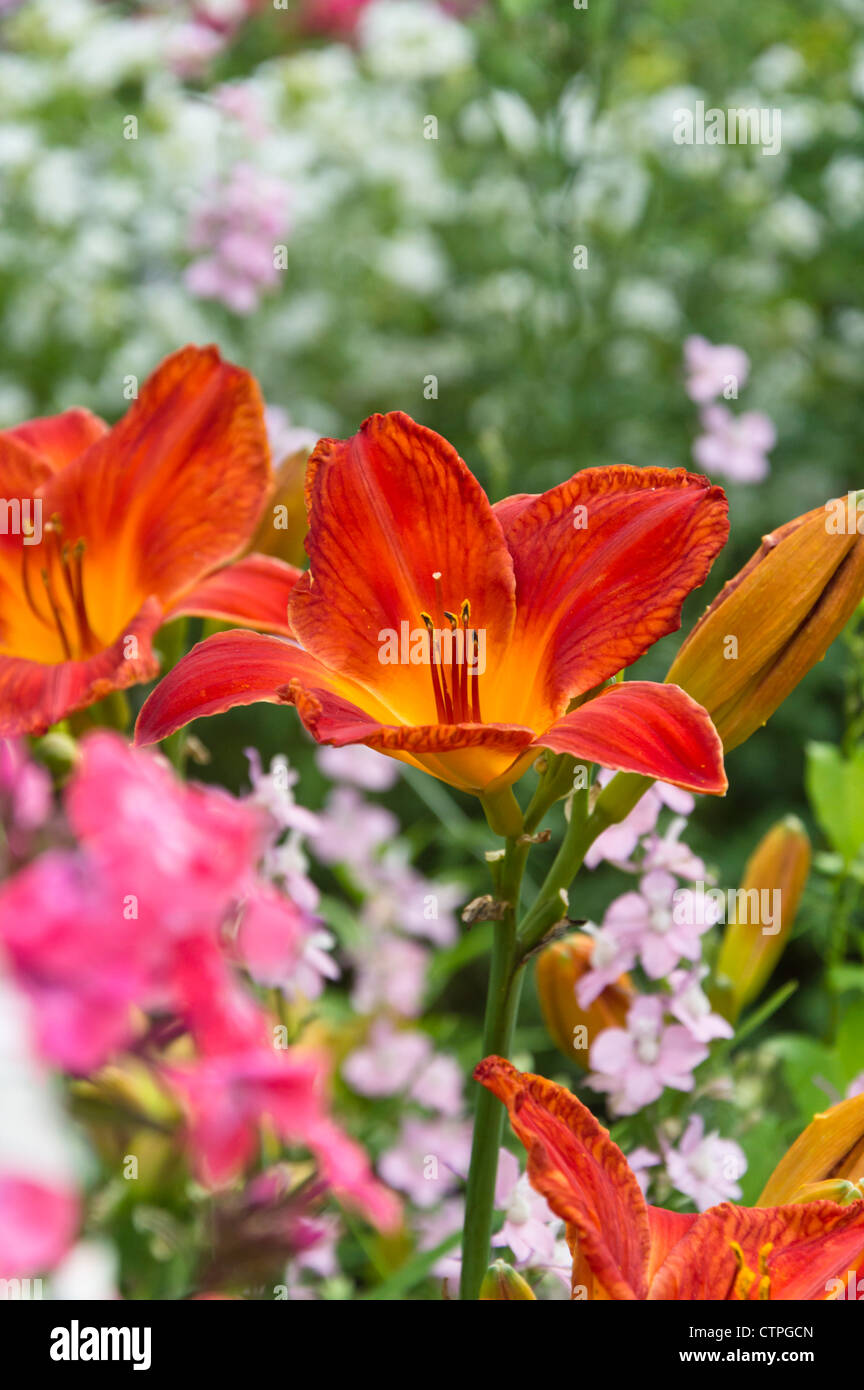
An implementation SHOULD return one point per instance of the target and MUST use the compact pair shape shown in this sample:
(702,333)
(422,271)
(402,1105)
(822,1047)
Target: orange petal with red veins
(252,591)
(584,1177)
(798,1251)
(639,726)
(34,694)
(234,668)
(60,438)
(390,508)
(175,488)
(603,564)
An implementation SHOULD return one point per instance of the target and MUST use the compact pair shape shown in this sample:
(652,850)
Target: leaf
(835,786)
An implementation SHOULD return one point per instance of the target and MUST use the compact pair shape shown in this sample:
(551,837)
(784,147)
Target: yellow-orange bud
(572,1029)
(830,1150)
(764,912)
(775,619)
(502,1284)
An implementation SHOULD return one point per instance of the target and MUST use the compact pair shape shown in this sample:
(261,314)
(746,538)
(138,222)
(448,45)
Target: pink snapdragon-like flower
(237,229)
(635,1064)
(705,1167)
(712,368)
(351,830)
(735,446)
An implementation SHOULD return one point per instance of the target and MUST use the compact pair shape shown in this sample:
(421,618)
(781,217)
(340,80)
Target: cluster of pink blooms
(238,229)
(139,928)
(659,927)
(732,446)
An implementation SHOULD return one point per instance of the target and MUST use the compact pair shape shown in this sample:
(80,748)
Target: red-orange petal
(389,509)
(59,439)
(172,491)
(641,726)
(253,591)
(228,669)
(603,564)
(35,694)
(804,1248)
(583,1175)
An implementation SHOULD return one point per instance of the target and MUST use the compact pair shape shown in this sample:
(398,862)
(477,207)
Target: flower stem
(502,1002)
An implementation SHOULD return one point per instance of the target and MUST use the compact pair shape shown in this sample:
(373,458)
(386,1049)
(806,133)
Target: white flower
(403,40)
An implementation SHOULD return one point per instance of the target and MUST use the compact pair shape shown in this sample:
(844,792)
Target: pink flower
(613,955)
(388,1061)
(351,830)
(362,766)
(439,1086)
(399,897)
(530,1229)
(690,1005)
(640,1160)
(619,842)
(705,1167)
(237,228)
(390,973)
(651,923)
(735,445)
(668,852)
(39,1199)
(429,1160)
(25,790)
(336,17)
(191,48)
(434,1227)
(270,937)
(709,367)
(635,1064)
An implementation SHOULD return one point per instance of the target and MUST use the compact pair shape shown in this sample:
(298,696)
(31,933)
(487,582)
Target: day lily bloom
(454,635)
(775,619)
(109,533)
(625,1249)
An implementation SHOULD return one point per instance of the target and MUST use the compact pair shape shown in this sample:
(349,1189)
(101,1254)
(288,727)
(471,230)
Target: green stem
(502,1003)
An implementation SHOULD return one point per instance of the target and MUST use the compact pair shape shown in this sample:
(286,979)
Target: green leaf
(835,786)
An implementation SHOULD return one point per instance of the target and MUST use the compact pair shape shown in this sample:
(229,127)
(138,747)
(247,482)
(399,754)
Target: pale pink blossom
(639,1161)
(613,955)
(635,1064)
(712,367)
(705,1167)
(355,763)
(387,1061)
(351,830)
(530,1229)
(429,1159)
(439,1086)
(651,923)
(618,844)
(668,851)
(690,1005)
(735,446)
(390,973)
(237,228)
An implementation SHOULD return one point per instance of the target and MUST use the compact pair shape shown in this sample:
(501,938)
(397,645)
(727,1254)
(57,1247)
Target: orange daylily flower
(455,636)
(625,1249)
(125,528)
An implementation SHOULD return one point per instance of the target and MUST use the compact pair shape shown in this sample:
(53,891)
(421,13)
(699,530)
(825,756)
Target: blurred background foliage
(409,257)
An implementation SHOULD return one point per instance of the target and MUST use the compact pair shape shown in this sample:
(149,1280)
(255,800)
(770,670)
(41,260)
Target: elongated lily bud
(775,619)
(762,917)
(283,525)
(830,1149)
(573,1029)
(502,1284)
